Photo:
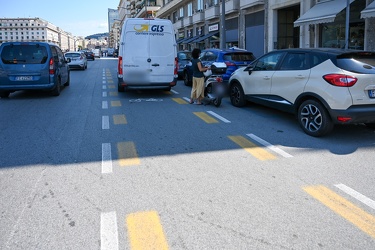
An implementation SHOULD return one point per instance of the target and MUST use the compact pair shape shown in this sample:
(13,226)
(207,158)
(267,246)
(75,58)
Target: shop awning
(206,36)
(322,12)
(181,40)
(369,11)
(190,39)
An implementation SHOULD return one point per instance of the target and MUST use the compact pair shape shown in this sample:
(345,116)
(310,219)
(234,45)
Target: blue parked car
(32,65)
(234,58)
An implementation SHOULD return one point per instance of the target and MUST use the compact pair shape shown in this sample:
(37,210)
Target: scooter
(214,87)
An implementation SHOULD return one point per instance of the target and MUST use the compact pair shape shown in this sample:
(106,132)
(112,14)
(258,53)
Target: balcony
(178,24)
(212,12)
(250,3)
(188,20)
(198,16)
(170,7)
(232,6)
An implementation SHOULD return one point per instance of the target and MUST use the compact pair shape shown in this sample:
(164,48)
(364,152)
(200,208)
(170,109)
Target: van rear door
(162,52)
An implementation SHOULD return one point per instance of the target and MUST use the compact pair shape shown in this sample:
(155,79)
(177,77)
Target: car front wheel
(314,118)
(236,94)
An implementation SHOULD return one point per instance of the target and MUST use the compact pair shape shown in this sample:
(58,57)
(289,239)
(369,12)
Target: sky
(79,17)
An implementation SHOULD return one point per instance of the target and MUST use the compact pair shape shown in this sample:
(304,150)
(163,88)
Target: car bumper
(358,114)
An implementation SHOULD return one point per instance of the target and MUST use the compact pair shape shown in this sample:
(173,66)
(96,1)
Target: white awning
(322,12)
(369,11)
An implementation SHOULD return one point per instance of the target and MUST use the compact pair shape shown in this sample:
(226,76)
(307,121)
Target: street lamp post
(222,26)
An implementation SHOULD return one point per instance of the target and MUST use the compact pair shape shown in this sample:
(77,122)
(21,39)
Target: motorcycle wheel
(217,101)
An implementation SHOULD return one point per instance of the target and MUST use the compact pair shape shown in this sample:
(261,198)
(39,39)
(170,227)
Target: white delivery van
(147,55)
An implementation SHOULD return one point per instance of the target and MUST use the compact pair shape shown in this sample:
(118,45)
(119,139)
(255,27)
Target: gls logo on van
(145,29)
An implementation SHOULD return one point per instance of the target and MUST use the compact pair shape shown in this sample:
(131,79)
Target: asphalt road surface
(97,169)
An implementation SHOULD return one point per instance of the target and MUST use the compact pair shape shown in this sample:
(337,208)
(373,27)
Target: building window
(190,9)
(181,12)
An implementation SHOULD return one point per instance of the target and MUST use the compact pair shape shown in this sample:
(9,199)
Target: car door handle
(300,77)
(155,64)
(266,78)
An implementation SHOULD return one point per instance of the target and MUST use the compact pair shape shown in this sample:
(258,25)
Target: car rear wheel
(236,94)
(314,118)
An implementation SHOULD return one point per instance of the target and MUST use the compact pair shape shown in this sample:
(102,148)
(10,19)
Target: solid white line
(218,117)
(104,93)
(108,231)
(270,146)
(105,122)
(174,91)
(357,195)
(104,104)
(106,158)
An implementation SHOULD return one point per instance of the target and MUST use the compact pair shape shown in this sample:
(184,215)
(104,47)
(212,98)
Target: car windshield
(25,54)
(242,56)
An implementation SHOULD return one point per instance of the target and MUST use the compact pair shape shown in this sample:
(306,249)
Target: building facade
(37,29)
(263,25)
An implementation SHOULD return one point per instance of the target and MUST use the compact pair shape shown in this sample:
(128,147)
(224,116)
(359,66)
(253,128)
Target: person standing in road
(197,90)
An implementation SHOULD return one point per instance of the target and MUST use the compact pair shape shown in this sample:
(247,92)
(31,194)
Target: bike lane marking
(269,146)
(127,154)
(205,117)
(108,231)
(145,231)
(252,148)
(106,158)
(365,200)
(357,216)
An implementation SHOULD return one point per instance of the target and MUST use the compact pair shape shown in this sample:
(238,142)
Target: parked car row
(322,87)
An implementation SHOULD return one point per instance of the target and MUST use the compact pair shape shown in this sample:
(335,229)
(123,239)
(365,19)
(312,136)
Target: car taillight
(219,79)
(340,80)
(176,66)
(230,64)
(51,67)
(119,65)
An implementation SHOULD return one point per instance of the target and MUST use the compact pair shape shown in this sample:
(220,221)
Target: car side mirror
(249,69)
(68,60)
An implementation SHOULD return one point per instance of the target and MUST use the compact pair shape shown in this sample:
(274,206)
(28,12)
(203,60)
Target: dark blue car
(234,58)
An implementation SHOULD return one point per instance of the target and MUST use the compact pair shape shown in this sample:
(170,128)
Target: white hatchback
(78,60)
(323,87)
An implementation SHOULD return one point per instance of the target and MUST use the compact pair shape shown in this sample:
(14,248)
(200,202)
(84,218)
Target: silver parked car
(78,60)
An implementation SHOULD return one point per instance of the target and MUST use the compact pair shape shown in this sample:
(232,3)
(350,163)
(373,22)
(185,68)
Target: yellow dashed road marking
(127,154)
(113,93)
(116,103)
(119,119)
(180,100)
(252,148)
(145,231)
(344,208)
(111,86)
(205,117)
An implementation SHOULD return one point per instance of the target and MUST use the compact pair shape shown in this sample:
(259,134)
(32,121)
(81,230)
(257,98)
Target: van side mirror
(68,60)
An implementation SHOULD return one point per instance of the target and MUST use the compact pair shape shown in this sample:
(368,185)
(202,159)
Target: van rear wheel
(4,94)
(57,90)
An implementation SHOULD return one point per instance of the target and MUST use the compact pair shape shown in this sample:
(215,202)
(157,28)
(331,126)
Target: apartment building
(263,25)
(37,29)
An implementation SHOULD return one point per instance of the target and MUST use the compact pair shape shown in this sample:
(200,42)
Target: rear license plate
(24,78)
(371,93)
